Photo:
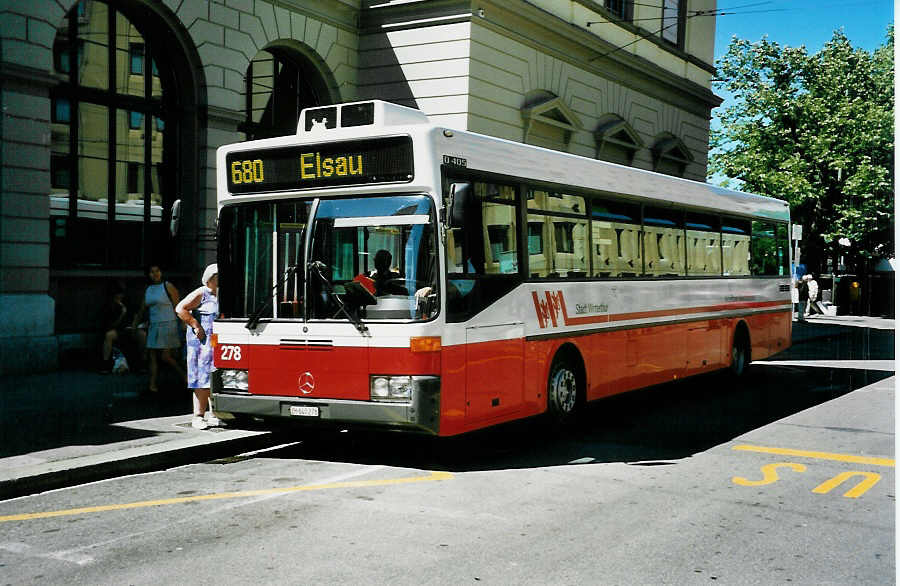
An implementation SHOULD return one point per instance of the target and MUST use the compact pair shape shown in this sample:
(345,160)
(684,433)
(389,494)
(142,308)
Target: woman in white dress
(160,299)
(198,310)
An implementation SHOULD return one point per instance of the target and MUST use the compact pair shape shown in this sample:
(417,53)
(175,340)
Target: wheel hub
(564,390)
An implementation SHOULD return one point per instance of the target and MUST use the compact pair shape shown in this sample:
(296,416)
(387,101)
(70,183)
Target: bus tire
(740,352)
(562,389)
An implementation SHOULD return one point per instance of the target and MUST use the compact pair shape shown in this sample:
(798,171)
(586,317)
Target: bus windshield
(370,258)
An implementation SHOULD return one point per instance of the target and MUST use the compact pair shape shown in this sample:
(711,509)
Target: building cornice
(563,40)
(585,50)
(384,16)
(342,14)
(648,36)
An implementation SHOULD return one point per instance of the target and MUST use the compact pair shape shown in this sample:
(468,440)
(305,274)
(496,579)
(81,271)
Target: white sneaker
(212,420)
(198,423)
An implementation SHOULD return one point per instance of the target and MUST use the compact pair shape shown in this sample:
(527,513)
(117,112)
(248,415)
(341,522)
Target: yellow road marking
(227,495)
(869,480)
(770,474)
(818,455)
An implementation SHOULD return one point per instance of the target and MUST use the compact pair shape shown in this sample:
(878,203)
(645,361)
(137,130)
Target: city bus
(379,269)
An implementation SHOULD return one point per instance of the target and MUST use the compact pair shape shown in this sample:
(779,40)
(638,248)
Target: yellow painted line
(851,458)
(770,474)
(228,495)
(869,480)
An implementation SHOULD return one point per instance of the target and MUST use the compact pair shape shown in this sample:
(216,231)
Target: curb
(158,459)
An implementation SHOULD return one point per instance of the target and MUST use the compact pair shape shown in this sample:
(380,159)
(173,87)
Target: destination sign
(378,160)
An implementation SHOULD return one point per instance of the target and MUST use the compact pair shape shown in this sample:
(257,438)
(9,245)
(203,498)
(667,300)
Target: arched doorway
(119,135)
(280,82)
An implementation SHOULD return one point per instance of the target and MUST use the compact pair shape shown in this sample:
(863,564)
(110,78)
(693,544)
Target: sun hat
(210,272)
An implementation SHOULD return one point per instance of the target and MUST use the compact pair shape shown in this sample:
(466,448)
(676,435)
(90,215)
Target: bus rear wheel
(562,389)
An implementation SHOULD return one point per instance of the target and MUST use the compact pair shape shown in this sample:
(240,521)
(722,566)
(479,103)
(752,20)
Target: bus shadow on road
(654,426)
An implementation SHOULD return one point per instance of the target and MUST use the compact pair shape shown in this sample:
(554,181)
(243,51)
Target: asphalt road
(784,476)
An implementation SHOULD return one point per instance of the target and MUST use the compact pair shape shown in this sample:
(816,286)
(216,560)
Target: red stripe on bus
(692,310)
(548,311)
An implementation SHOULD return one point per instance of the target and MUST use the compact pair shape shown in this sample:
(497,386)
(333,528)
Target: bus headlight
(234,379)
(390,388)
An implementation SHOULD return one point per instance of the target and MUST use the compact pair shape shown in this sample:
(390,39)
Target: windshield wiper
(256,315)
(316,267)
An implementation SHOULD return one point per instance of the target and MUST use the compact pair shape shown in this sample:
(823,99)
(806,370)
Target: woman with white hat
(198,310)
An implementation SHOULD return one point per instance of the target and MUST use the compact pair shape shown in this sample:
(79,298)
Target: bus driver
(386,280)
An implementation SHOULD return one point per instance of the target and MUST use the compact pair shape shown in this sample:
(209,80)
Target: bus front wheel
(740,353)
(562,389)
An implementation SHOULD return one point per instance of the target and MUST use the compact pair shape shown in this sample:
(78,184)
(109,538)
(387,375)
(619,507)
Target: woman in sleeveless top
(198,310)
(160,299)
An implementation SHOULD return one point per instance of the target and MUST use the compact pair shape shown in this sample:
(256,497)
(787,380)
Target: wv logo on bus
(548,309)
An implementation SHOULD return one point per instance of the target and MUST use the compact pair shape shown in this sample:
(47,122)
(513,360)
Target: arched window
(670,155)
(549,122)
(113,120)
(280,83)
(616,140)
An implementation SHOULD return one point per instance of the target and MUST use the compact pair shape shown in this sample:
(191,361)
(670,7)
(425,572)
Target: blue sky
(804,22)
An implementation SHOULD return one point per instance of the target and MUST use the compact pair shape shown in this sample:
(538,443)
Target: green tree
(817,131)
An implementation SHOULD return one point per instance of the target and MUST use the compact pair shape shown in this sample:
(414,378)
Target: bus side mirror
(175,218)
(460,200)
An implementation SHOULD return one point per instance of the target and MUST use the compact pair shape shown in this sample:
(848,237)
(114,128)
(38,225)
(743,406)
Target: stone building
(113,110)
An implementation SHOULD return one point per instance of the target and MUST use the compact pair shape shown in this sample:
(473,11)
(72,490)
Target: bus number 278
(230,353)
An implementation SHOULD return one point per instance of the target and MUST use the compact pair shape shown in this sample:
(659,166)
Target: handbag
(119,362)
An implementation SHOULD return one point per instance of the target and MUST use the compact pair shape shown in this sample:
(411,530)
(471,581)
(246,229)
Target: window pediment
(616,140)
(553,111)
(549,122)
(671,155)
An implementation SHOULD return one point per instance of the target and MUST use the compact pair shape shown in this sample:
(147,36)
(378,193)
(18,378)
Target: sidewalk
(68,427)
(819,325)
(63,428)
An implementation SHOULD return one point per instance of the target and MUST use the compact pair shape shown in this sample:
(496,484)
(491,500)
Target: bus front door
(494,370)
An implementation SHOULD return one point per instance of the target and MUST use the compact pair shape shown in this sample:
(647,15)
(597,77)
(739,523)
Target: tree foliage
(815,130)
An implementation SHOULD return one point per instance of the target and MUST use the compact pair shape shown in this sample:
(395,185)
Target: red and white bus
(381,270)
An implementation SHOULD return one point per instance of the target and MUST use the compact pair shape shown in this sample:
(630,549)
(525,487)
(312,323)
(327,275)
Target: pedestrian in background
(813,287)
(198,309)
(160,299)
(803,297)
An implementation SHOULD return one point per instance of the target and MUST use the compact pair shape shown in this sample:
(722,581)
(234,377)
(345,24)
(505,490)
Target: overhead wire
(693,14)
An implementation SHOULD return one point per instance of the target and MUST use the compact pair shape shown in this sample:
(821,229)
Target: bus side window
(631,259)
(615,229)
(735,246)
(499,228)
(557,220)
(783,245)
(604,239)
(764,249)
(704,255)
(663,242)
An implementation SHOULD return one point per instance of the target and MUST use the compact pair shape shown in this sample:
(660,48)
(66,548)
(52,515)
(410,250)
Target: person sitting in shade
(113,318)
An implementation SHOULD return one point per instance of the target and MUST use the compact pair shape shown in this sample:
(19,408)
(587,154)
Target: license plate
(303,411)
